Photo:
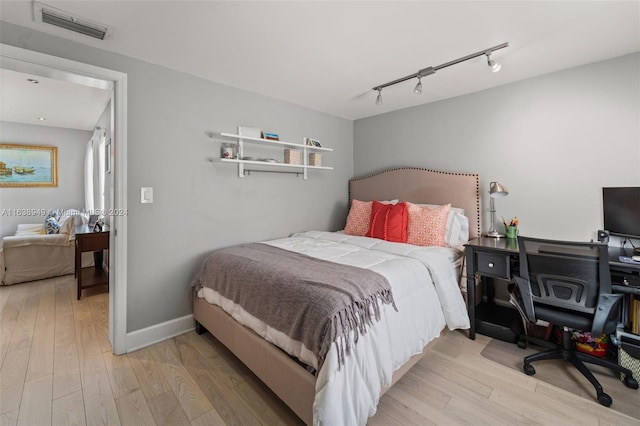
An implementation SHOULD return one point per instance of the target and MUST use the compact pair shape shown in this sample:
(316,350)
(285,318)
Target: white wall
(199,206)
(554,141)
(70,190)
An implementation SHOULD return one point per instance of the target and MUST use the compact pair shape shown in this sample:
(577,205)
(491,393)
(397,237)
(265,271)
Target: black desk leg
(471,294)
(471,306)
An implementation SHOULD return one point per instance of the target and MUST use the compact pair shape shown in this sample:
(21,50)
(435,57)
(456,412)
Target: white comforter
(426,293)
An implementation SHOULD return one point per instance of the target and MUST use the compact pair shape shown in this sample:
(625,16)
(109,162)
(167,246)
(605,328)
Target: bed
(343,389)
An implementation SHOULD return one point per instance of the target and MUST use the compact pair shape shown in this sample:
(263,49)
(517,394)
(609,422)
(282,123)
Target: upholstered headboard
(423,186)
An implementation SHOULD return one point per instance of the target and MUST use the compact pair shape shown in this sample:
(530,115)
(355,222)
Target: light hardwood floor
(56,367)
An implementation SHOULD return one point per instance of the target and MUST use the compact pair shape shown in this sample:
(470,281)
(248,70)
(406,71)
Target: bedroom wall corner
(554,141)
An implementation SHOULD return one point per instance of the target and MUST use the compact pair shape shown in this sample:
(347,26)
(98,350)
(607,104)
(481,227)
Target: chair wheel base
(630,382)
(604,399)
(529,370)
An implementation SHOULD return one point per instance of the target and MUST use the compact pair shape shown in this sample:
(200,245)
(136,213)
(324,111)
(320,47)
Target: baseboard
(157,333)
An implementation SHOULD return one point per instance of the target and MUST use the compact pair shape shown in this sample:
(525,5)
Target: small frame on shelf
(312,142)
(228,150)
(93,221)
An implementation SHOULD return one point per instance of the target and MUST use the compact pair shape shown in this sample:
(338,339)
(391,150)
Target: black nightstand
(491,258)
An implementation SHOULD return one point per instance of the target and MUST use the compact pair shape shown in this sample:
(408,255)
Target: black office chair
(569,284)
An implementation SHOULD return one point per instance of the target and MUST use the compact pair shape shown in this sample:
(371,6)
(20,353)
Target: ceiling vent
(60,18)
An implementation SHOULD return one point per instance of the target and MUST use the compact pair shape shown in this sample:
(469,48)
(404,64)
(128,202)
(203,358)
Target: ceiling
(327,55)
(49,102)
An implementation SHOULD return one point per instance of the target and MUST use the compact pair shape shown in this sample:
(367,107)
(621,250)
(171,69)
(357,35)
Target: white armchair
(31,254)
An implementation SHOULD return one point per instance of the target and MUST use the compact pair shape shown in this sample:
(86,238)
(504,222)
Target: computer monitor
(621,207)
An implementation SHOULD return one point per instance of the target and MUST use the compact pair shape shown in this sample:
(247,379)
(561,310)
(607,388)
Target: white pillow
(69,220)
(66,224)
(456,233)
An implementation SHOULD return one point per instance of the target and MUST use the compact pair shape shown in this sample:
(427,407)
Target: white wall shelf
(273,166)
(267,163)
(270,141)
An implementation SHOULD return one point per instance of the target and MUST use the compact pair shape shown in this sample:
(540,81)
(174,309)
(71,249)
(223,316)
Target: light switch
(146,195)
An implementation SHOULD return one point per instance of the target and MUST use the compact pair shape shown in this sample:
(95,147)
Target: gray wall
(575,131)
(68,194)
(554,141)
(199,206)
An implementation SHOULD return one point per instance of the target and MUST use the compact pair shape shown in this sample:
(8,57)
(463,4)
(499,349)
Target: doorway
(35,63)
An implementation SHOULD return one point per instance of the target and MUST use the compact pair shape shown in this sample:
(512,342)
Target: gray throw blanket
(311,300)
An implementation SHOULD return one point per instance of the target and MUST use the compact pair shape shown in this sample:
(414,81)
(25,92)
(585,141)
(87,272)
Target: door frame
(28,61)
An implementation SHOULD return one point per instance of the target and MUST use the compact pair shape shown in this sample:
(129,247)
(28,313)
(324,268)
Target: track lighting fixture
(418,88)
(495,67)
(379,98)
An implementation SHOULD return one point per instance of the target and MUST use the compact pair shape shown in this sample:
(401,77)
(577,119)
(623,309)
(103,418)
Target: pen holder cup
(511,231)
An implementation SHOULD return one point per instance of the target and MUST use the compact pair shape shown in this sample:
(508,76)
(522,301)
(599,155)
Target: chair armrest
(37,239)
(527,299)
(608,305)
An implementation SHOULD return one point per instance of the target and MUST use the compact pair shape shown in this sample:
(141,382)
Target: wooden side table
(90,240)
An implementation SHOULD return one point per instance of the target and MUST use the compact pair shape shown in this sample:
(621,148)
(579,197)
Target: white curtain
(98,173)
(88,177)
(94,170)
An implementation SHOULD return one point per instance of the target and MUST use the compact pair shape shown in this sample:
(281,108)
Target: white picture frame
(312,142)
(252,132)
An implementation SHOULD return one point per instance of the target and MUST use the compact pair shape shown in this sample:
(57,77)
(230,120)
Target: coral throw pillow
(359,218)
(427,225)
(389,222)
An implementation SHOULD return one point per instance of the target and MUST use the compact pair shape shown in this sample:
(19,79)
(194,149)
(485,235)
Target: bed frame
(423,186)
(293,384)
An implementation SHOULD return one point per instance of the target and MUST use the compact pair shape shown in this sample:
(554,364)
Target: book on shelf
(635,316)
(631,314)
(270,136)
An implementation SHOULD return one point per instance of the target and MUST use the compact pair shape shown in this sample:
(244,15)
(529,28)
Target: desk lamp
(496,190)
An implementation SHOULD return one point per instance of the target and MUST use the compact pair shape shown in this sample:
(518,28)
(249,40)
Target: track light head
(418,88)
(493,65)
(379,98)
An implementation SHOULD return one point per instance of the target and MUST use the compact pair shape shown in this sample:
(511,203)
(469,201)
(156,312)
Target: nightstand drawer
(93,242)
(493,265)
